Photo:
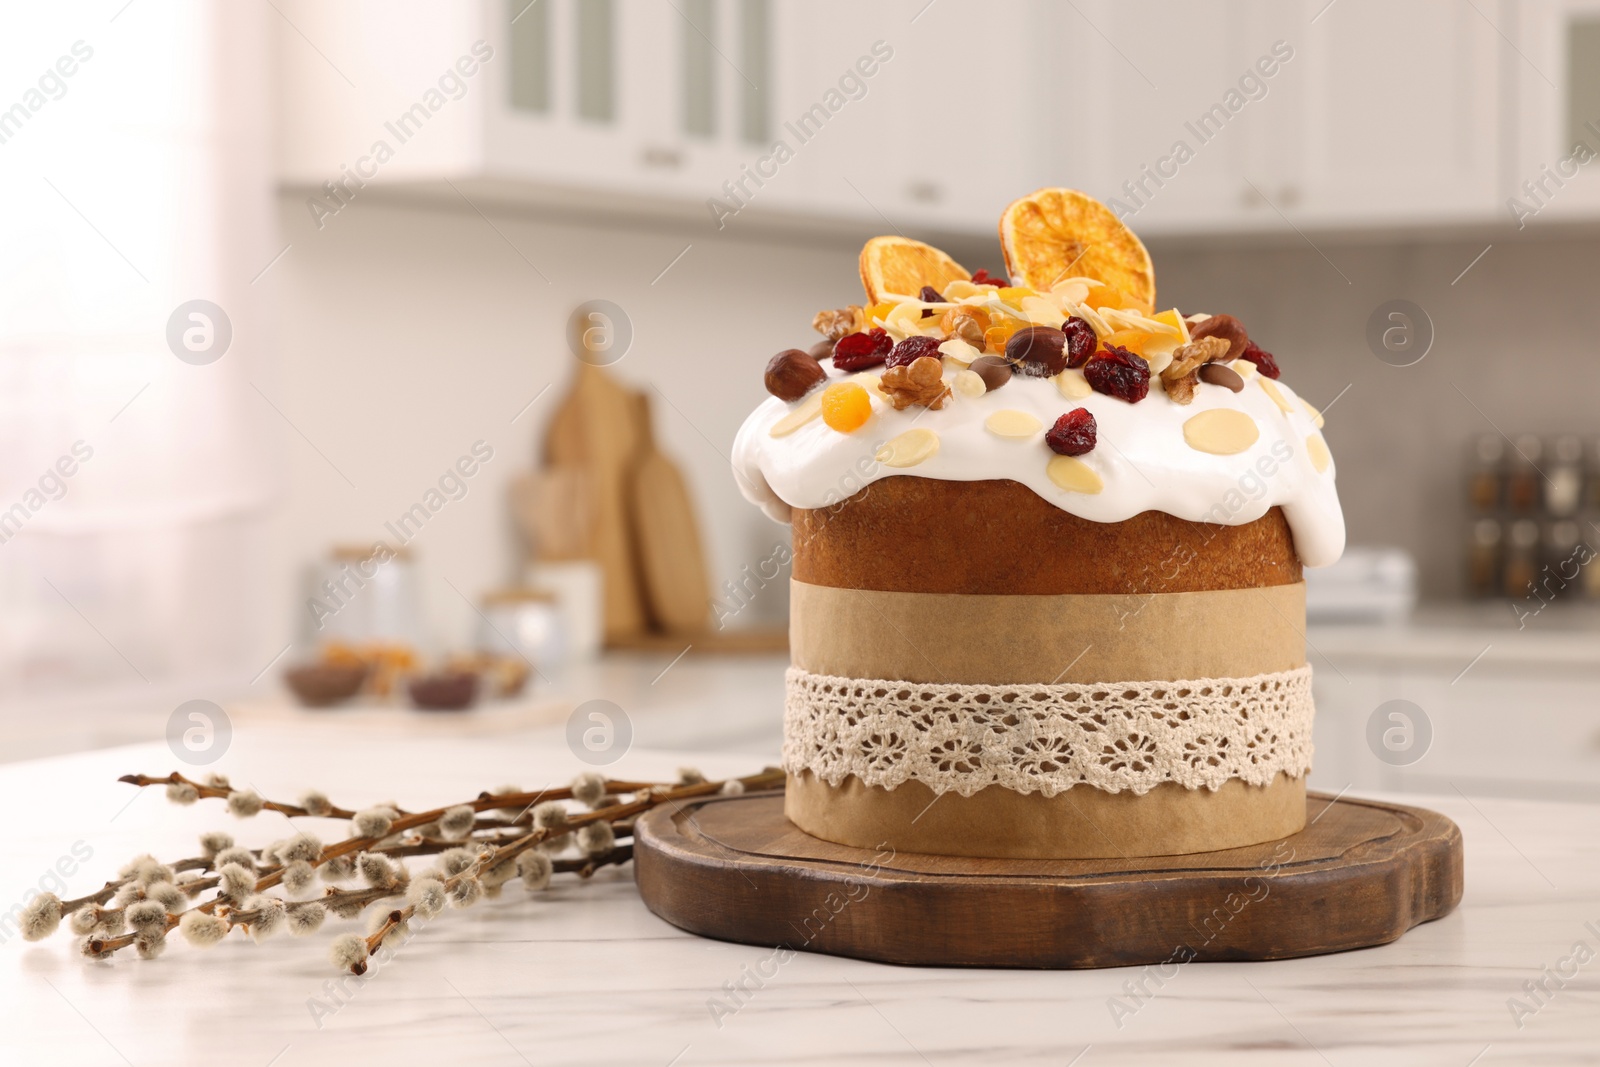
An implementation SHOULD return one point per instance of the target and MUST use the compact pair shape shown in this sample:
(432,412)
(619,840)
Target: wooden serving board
(666,533)
(1361,873)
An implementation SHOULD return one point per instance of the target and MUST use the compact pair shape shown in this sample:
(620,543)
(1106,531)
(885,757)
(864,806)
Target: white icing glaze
(1141,456)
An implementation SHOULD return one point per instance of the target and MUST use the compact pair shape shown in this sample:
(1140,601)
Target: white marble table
(584,974)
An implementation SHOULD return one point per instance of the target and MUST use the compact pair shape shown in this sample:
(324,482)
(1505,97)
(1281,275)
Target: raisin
(983,277)
(912,349)
(857,351)
(1264,361)
(1117,372)
(1038,351)
(1081,341)
(1073,434)
(930,295)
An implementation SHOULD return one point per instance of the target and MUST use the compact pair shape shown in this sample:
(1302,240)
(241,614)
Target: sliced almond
(1221,431)
(1072,290)
(872,383)
(1270,387)
(1043,311)
(1244,368)
(959,352)
(969,384)
(961,289)
(1317,449)
(1092,317)
(1012,424)
(802,413)
(1316,416)
(1073,385)
(906,320)
(908,449)
(1159,355)
(1074,475)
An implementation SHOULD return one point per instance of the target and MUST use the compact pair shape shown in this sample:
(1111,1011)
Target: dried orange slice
(1061,233)
(899,266)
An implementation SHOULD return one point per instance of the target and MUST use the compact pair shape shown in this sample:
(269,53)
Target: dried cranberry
(1117,372)
(911,349)
(1073,434)
(857,351)
(930,295)
(983,277)
(1265,363)
(1081,341)
(1038,351)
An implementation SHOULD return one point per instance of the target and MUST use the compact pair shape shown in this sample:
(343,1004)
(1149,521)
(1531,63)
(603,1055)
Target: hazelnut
(791,374)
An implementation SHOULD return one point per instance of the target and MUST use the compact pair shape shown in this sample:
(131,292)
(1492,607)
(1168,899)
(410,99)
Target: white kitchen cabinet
(1556,85)
(1163,145)
(594,102)
(1510,712)
(1400,114)
(1212,116)
(1222,115)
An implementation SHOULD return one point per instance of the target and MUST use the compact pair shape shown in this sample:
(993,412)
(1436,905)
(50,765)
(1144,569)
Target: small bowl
(444,690)
(322,685)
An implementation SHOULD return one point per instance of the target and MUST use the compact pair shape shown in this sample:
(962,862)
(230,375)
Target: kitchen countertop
(585,974)
(1488,634)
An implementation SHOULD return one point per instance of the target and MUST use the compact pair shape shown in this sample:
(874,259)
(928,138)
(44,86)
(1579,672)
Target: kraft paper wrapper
(1081,823)
(1008,639)
(999,639)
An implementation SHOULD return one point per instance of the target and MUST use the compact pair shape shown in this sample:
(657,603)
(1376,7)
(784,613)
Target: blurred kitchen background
(399,217)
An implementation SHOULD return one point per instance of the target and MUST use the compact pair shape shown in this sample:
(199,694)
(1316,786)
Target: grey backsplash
(1515,347)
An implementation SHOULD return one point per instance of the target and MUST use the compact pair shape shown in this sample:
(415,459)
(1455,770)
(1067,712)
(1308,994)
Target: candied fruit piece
(877,311)
(846,406)
(983,277)
(1081,341)
(1264,361)
(857,351)
(1172,317)
(1013,295)
(1133,340)
(996,336)
(912,349)
(1117,372)
(1102,295)
(1073,434)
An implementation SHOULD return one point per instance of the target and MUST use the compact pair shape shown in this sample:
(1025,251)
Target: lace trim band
(1048,738)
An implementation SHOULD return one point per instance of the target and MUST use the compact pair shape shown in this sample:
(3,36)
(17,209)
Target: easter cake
(1048,540)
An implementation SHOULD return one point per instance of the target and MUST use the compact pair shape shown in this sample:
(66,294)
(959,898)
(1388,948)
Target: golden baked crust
(911,534)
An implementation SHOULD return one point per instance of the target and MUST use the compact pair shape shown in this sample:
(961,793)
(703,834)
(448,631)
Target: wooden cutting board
(596,429)
(666,536)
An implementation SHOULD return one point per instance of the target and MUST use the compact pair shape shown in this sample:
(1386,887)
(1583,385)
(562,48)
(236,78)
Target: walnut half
(836,322)
(920,382)
(1183,373)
